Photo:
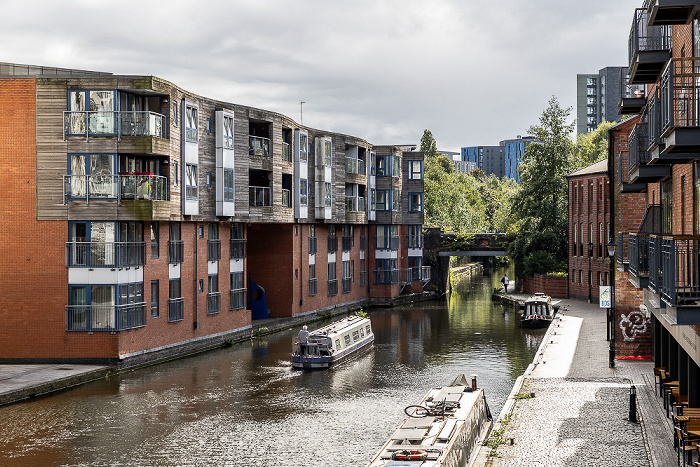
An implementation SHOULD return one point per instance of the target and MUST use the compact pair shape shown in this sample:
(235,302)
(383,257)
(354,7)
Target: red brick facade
(548,285)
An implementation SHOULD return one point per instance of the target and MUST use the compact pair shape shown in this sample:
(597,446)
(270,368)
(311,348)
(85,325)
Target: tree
(428,146)
(541,203)
(592,147)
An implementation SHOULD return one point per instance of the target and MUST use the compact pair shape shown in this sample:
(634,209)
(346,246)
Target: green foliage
(592,147)
(428,146)
(541,203)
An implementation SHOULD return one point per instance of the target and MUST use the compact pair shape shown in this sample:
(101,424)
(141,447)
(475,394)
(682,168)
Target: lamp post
(590,272)
(611,311)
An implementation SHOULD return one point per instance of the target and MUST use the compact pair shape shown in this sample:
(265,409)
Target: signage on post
(605,296)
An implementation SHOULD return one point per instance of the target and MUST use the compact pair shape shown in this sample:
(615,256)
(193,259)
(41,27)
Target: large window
(347,277)
(415,170)
(93,176)
(175,245)
(238,291)
(191,123)
(386,271)
(213,294)
(213,242)
(387,237)
(191,181)
(101,308)
(228,185)
(228,132)
(175,302)
(332,280)
(416,202)
(155,240)
(238,241)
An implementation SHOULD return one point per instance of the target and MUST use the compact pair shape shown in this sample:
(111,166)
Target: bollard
(611,354)
(473,382)
(633,404)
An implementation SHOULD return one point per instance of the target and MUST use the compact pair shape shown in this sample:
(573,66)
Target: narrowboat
(445,429)
(332,344)
(538,311)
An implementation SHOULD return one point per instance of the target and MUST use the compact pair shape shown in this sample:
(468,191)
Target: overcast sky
(473,72)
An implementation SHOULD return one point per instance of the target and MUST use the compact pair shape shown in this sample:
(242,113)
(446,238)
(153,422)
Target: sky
(473,72)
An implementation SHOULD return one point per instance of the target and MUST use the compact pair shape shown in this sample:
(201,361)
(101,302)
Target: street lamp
(611,312)
(590,272)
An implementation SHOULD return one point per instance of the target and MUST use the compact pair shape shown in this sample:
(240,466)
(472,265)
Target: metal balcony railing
(620,248)
(332,287)
(213,250)
(415,241)
(639,255)
(260,196)
(630,91)
(105,254)
(332,244)
(386,276)
(313,286)
(643,38)
(680,94)
(259,146)
(286,152)
(237,247)
(313,245)
(638,146)
(213,302)
(655,273)
(406,276)
(175,251)
(118,187)
(653,113)
(90,124)
(237,299)
(176,309)
(363,242)
(680,266)
(425,273)
(105,317)
(347,285)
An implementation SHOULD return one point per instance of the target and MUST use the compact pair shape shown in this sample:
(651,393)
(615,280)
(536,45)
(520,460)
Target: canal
(245,406)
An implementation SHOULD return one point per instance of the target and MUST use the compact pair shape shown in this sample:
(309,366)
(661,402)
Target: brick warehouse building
(661,251)
(589,224)
(143,221)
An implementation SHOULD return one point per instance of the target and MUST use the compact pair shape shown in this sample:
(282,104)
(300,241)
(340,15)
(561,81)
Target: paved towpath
(579,413)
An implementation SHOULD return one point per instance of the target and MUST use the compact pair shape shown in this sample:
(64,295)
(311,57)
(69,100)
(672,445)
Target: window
(303,147)
(228,186)
(372,163)
(327,194)
(303,192)
(154,299)
(327,152)
(213,242)
(332,280)
(174,113)
(363,272)
(387,237)
(175,302)
(416,202)
(347,278)
(591,120)
(238,292)
(92,175)
(213,294)
(312,280)
(383,168)
(395,197)
(228,132)
(386,271)
(101,118)
(590,110)
(155,243)
(191,181)
(191,124)
(575,240)
(175,245)
(176,174)
(415,236)
(379,200)
(415,170)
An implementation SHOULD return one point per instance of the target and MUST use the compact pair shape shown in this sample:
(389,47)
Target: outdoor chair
(657,378)
(686,444)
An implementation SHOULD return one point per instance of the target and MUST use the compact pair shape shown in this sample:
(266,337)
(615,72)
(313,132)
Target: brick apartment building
(142,220)
(657,194)
(589,227)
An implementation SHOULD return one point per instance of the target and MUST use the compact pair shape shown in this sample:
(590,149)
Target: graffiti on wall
(632,325)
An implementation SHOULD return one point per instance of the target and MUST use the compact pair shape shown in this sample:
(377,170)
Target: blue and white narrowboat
(332,344)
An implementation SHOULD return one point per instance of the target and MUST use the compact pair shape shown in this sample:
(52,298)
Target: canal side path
(570,409)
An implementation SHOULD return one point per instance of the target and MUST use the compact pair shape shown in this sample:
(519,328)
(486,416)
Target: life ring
(409,455)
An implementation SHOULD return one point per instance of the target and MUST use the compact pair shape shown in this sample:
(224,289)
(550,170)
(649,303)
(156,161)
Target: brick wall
(552,286)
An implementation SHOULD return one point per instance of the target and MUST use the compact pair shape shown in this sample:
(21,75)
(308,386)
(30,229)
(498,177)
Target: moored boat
(444,430)
(332,344)
(538,311)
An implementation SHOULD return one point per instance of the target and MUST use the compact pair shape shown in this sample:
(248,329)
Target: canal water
(246,406)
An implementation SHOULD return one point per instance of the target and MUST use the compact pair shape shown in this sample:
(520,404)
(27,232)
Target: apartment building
(658,241)
(490,159)
(144,221)
(597,96)
(514,150)
(589,227)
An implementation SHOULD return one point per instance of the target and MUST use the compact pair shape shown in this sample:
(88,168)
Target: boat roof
(538,297)
(340,326)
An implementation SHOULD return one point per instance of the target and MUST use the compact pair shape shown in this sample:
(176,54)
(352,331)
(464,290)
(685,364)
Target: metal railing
(175,251)
(354,204)
(332,287)
(620,247)
(313,245)
(259,146)
(176,309)
(680,268)
(237,299)
(680,94)
(237,247)
(213,249)
(361,167)
(213,302)
(347,285)
(390,243)
(286,152)
(386,276)
(414,241)
(425,273)
(119,187)
(332,244)
(105,317)
(363,278)
(638,146)
(313,286)
(655,264)
(653,113)
(630,91)
(406,276)
(286,198)
(105,254)
(639,255)
(260,196)
(348,243)
(113,123)
(644,38)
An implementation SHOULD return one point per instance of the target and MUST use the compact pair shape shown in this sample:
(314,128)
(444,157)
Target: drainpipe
(195,324)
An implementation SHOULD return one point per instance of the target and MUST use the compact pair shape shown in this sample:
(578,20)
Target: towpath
(580,409)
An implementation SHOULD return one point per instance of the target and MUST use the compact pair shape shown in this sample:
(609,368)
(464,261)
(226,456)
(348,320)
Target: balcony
(639,260)
(649,49)
(680,115)
(115,187)
(639,169)
(286,152)
(213,302)
(347,285)
(286,198)
(680,277)
(237,248)
(667,12)
(175,251)
(105,317)
(332,244)
(176,309)
(425,274)
(632,96)
(354,204)
(260,196)
(386,276)
(259,146)
(406,275)
(105,254)
(332,287)
(120,124)
(238,299)
(213,249)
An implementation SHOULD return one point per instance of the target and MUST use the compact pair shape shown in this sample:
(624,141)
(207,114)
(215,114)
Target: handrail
(105,317)
(115,186)
(113,123)
(105,254)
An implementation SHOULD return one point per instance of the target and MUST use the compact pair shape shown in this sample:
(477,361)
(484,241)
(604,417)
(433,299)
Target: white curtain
(102,306)
(78,179)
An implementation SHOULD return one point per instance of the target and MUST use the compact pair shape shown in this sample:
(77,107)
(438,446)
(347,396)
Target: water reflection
(245,405)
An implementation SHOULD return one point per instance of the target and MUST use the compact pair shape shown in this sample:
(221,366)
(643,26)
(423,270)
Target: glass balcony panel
(260,196)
